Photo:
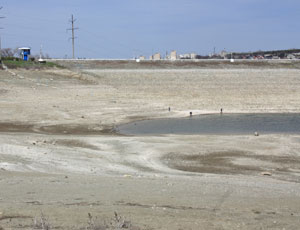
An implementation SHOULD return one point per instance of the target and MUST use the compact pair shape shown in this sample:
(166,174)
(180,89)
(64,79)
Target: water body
(219,124)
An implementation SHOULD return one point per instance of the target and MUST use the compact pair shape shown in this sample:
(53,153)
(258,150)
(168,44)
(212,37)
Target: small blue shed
(25,51)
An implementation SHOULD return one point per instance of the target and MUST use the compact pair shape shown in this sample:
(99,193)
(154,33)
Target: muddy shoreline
(61,129)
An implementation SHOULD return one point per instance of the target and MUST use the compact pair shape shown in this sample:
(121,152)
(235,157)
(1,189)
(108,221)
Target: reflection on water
(217,124)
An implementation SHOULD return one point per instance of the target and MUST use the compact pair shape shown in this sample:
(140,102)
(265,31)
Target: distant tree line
(278,53)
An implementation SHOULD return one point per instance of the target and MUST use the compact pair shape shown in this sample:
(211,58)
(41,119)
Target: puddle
(219,124)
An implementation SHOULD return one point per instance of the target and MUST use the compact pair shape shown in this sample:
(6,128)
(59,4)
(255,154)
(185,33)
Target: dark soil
(223,163)
(60,129)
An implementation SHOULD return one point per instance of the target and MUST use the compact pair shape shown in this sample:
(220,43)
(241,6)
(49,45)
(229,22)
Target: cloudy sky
(128,28)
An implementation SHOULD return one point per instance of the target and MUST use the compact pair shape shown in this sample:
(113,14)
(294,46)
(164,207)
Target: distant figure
(191,114)
(221,110)
(169,109)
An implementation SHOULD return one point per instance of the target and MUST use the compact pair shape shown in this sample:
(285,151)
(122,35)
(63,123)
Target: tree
(8,52)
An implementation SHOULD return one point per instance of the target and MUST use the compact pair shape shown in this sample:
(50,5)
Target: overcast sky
(127,28)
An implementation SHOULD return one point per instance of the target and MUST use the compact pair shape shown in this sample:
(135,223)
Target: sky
(122,29)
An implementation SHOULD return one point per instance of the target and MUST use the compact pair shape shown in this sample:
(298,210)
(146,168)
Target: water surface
(222,124)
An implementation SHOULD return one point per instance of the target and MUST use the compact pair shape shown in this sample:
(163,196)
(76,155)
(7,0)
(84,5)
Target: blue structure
(25,53)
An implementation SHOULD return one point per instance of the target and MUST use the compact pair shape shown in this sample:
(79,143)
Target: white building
(156,56)
(173,55)
(193,55)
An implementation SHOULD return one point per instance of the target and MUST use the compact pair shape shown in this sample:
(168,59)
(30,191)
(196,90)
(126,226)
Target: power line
(32,18)
(1,17)
(73,34)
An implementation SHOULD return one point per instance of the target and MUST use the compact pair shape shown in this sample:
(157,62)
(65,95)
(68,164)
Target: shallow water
(222,124)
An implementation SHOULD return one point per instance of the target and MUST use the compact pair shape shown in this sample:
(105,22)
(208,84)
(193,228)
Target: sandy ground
(60,156)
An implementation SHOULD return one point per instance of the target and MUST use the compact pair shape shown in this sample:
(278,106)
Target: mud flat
(61,159)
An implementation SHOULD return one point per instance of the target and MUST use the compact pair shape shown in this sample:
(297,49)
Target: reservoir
(217,124)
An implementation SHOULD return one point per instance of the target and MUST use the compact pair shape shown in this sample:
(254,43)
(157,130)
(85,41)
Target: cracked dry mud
(60,154)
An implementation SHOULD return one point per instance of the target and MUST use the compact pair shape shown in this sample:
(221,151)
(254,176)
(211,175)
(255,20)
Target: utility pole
(0,51)
(73,34)
(0,41)
(41,53)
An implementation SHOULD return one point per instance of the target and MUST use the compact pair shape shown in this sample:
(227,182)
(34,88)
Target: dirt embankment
(179,64)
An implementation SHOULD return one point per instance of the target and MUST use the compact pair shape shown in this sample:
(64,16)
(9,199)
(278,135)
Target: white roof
(24,48)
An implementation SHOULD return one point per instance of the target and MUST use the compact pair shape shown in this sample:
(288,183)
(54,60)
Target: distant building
(268,56)
(188,56)
(291,56)
(223,54)
(296,55)
(193,55)
(173,55)
(156,56)
(151,57)
(142,58)
(185,56)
